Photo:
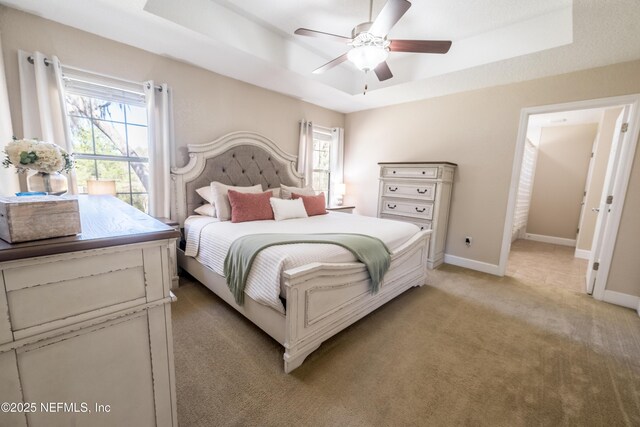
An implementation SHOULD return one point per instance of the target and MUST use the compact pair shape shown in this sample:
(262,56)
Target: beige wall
(206,105)
(477,130)
(560,179)
(594,189)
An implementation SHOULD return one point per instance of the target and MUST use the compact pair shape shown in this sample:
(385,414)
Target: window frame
(323,134)
(95,88)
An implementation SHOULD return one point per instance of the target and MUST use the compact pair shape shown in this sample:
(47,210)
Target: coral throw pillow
(314,205)
(250,207)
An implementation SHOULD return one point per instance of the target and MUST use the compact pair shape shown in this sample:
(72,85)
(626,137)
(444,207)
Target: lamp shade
(367,57)
(101,186)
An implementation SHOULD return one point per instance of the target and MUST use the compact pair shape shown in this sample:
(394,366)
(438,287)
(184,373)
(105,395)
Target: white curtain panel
(43,102)
(9,183)
(337,160)
(160,131)
(305,151)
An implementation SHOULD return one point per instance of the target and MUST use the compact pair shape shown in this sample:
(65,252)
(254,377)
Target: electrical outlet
(468,240)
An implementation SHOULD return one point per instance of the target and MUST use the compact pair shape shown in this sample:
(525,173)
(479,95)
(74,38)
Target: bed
(321,298)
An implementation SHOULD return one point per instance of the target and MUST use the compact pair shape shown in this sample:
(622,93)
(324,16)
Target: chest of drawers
(86,321)
(419,193)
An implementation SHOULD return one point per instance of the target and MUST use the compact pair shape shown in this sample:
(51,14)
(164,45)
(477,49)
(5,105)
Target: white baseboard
(582,253)
(625,300)
(550,239)
(472,264)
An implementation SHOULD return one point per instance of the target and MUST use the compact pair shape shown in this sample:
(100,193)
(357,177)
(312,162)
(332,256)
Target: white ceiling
(537,122)
(494,41)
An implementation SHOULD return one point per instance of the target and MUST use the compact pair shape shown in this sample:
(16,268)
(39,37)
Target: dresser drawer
(410,172)
(424,225)
(412,208)
(426,191)
(61,288)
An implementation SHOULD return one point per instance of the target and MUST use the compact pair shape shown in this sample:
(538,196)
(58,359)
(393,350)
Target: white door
(602,223)
(586,187)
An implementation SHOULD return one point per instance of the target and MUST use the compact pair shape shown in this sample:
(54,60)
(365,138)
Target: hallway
(545,264)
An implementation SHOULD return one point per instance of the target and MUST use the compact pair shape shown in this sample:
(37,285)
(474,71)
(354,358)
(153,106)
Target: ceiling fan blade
(320,34)
(382,71)
(420,46)
(329,65)
(391,13)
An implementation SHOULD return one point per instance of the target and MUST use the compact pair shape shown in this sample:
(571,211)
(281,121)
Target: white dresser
(420,193)
(85,323)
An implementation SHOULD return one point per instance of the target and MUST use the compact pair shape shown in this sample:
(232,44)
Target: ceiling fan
(369,44)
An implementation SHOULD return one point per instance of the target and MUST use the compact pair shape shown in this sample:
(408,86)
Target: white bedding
(208,240)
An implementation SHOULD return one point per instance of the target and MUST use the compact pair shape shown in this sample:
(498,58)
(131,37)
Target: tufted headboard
(238,158)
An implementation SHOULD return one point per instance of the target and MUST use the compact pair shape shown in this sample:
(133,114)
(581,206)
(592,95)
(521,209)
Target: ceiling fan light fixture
(366,57)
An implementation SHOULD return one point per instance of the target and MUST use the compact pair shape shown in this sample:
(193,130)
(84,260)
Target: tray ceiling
(494,41)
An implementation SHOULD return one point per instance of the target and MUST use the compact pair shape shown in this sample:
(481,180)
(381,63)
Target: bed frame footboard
(324,298)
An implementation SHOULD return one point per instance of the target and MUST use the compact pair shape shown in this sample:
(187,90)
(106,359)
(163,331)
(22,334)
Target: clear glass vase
(52,183)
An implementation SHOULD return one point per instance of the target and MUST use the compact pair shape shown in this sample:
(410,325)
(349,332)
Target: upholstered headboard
(238,158)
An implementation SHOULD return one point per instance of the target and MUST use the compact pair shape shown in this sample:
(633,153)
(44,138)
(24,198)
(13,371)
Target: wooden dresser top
(106,221)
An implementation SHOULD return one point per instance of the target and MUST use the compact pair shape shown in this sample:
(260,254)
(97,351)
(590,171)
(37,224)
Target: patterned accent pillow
(314,205)
(286,191)
(250,206)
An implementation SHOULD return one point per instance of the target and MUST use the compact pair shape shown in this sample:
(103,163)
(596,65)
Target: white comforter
(208,240)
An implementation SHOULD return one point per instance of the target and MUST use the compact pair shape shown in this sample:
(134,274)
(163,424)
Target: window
(327,162)
(109,132)
(321,162)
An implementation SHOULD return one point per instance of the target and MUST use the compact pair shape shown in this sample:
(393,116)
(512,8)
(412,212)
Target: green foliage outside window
(110,142)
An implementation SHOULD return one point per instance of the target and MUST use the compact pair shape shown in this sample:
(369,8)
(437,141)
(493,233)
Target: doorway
(556,179)
(617,172)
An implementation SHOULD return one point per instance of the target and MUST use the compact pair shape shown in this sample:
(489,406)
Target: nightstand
(343,209)
(173,258)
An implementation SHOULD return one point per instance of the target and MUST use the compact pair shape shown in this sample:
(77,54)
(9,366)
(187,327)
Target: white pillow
(221,199)
(207,210)
(205,193)
(275,191)
(287,209)
(285,191)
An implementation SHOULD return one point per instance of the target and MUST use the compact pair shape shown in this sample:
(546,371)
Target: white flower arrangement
(41,156)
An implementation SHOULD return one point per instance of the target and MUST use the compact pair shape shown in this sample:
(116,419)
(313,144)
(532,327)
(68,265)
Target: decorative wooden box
(23,219)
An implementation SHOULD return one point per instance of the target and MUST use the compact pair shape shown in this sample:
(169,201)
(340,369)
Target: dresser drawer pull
(392,207)
(421,210)
(423,191)
(393,189)
(394,171)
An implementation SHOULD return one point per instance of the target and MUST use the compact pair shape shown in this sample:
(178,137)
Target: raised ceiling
(494,41)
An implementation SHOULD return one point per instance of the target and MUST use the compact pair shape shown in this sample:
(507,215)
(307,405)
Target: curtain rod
(319,127)
(47,62)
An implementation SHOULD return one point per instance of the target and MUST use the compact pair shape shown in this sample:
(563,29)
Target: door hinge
(596,266)
(591,155)
(609,200)
(578,230)
(624,127)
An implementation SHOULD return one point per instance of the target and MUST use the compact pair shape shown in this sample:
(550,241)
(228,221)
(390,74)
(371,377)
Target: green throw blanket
(369,250)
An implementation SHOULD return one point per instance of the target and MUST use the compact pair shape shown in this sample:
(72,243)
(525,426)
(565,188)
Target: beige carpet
(469,349)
